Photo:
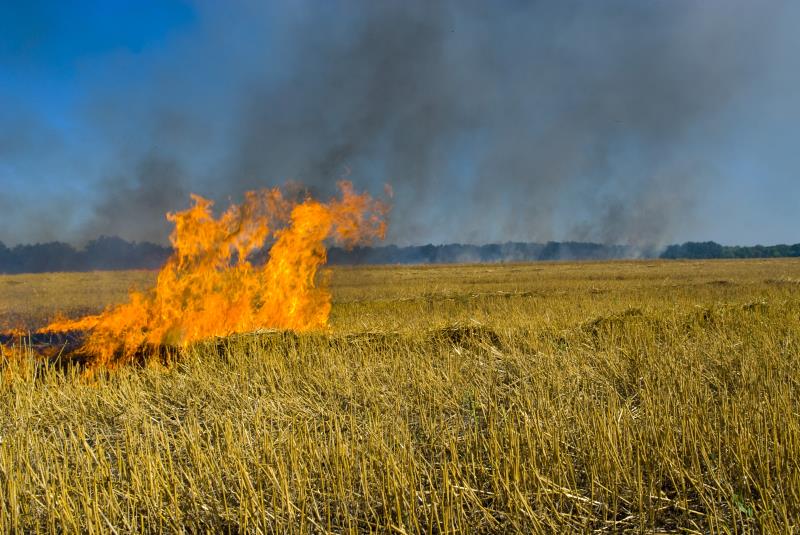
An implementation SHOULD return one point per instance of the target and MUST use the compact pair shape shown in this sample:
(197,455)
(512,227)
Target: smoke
(135,206)
(493,121)
(33,149)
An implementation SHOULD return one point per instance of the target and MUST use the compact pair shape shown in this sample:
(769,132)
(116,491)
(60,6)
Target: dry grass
(624,396)
(27,301)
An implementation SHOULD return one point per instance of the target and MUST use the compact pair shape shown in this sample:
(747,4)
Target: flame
(209,287)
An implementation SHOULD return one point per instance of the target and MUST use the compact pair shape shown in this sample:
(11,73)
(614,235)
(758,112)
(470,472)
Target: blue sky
(44,45)
(618,121)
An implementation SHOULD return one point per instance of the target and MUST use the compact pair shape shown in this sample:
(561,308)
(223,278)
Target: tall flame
(210,288)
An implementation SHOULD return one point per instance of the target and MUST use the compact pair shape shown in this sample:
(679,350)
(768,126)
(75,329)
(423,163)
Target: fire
(210,288)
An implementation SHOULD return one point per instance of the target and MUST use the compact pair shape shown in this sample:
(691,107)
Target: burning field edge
(62,350)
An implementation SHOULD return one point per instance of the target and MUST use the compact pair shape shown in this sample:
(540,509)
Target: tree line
(113,253)
(104,253)
(710,249)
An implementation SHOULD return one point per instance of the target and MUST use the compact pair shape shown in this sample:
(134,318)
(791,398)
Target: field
(564,397)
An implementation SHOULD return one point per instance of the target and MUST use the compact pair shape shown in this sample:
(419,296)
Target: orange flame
(209,288)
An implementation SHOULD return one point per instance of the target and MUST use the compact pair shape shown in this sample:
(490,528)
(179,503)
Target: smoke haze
(616,122)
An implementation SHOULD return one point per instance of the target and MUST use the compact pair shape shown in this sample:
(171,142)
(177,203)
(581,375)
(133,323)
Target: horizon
(379,244)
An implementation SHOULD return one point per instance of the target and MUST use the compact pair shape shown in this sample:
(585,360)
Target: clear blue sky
(619,121)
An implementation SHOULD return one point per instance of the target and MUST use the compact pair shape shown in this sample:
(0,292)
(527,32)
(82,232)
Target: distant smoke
(493,121)
(135,206)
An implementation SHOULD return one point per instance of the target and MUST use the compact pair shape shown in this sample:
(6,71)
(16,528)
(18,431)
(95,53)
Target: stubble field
(565,397)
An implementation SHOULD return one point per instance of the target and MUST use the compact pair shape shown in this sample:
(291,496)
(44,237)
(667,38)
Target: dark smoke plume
(493,121)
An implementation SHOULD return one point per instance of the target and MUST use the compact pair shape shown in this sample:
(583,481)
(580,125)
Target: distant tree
(694,250)
(43,257)
(701,250)
(4,255)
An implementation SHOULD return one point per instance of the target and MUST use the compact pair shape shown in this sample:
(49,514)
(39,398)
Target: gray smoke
(493,121)
(135,205)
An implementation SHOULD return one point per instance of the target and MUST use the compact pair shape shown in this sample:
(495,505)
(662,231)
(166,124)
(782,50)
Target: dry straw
(544,398)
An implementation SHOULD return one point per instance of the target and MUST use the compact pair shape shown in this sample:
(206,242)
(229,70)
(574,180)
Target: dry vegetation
(625,396)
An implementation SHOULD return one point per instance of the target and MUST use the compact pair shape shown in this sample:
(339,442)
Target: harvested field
(565,397)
